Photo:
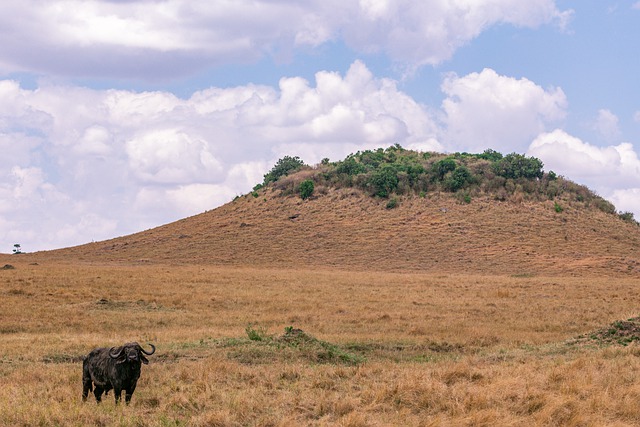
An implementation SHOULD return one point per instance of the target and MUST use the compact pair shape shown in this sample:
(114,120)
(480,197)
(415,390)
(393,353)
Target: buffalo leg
(117,392)
(130,390)
(86,388)
(97,392)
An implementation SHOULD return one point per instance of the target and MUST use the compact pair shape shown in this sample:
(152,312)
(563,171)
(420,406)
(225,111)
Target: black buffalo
(116,368)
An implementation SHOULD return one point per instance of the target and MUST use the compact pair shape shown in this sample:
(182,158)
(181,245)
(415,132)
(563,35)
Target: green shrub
(283,167)
(350,166)
(557,207)
(372,159)
(384,180)
(442,167)
(457,179)
(516,166)
(490,155)
(604,205)
(392,203)
(306,189)
(256,334)
(627,216)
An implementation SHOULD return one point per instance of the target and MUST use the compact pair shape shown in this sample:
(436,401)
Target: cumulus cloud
(92,164)
(168,38)
(429,32)
(627,200)
(606,124)
(487,110)
(613,171)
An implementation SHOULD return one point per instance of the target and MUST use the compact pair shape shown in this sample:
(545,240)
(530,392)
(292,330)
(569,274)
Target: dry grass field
(274,311)
(411,349)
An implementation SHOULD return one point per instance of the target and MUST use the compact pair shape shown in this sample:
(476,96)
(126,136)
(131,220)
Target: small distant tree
(283,167)
(306,189)
(17,249)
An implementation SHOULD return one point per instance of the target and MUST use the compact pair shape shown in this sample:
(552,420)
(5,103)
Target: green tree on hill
(283,167)
(516,166)
(442,167)
(384,180)
(457,179)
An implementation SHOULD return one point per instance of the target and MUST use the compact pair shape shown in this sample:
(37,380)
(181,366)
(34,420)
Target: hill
(519,224)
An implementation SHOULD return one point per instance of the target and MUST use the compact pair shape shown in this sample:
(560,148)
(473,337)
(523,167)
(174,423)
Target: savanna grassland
(393,288)
(376,348)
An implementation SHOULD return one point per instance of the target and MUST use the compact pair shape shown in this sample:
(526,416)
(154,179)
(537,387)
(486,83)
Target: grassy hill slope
(346,228)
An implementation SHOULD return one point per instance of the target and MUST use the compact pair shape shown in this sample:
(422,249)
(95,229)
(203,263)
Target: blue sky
(121,115)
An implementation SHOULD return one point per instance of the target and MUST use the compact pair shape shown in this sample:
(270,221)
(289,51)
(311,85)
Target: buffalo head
(131,352)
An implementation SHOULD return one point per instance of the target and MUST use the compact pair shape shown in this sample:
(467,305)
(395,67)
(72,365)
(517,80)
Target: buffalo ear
(144,359)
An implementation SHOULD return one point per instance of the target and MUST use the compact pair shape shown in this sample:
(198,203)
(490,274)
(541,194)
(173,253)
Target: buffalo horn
(117,354)
(153,350)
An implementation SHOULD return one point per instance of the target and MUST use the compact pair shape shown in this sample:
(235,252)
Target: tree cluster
(396,171)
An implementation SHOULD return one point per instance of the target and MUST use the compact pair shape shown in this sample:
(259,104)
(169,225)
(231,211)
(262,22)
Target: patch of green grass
(262,347)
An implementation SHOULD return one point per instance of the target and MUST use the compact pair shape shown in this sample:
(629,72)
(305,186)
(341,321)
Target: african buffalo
(116,368)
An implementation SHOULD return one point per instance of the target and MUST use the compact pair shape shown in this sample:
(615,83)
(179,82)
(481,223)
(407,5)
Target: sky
(117,116)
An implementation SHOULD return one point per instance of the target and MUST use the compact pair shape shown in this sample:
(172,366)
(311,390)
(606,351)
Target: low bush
(306,189)
(557,207)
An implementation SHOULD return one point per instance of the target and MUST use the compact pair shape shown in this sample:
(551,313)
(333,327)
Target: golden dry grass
(429,349)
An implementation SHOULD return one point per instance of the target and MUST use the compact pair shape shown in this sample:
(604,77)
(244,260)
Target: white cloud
(159,39)
(429,32)
(606,125)
(613,171)
(636,116)
(627,200)
(486,110)
(636,5)
(172,156)
(570,156)
(105,163)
